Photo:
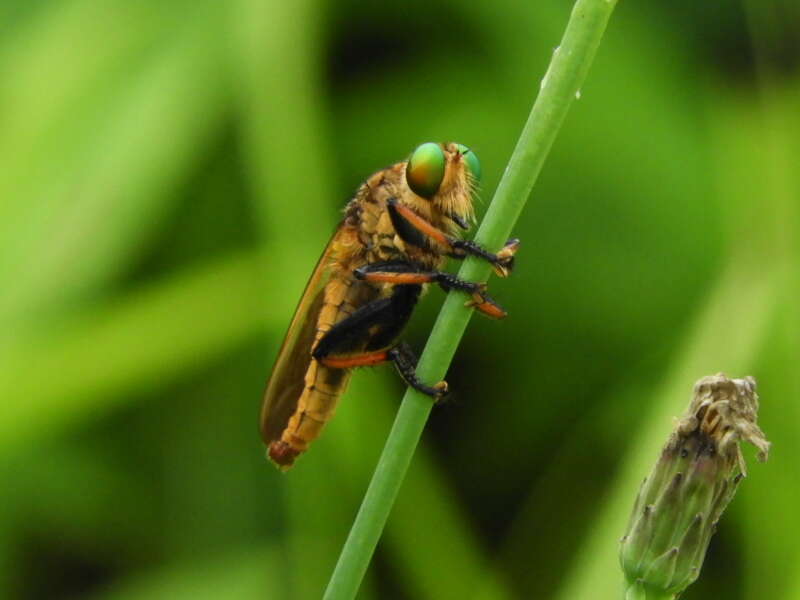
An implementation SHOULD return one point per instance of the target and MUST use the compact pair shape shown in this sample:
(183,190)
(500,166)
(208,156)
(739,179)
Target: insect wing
(287,380)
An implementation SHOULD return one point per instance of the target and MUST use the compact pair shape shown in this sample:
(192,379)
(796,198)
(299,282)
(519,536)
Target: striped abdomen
(322,385)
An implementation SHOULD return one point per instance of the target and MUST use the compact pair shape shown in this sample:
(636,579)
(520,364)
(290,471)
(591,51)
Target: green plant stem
(561,84)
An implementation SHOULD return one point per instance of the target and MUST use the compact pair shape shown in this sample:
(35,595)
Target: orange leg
(484,304)
(367,359)
(403,273)
(400,355)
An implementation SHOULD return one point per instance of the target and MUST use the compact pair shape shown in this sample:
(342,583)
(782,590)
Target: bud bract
(680,502)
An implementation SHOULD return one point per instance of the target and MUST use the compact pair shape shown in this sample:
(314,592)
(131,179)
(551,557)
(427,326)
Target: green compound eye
(425,169)
(473,163)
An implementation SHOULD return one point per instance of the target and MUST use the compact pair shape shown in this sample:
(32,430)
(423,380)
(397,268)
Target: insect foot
(505,258)
(443,389)
(485,304)
(406,362)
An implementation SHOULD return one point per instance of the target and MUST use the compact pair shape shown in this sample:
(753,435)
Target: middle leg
(405,273)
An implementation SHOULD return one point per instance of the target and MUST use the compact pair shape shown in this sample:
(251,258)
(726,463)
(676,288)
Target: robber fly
(396,235)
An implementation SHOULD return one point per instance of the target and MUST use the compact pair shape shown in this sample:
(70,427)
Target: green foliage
(169,174)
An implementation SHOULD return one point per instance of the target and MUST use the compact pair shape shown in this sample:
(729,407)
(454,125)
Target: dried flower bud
(679,503)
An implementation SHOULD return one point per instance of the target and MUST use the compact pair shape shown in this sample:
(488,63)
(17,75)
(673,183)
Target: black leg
(373,326)
(448,281)
(417,231)
(403,358)
(362,339)
(502,262)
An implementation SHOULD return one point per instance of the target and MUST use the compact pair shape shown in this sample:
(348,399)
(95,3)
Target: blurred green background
(169,173)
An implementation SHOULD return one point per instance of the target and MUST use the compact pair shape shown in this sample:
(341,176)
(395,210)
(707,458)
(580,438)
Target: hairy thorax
(372,236)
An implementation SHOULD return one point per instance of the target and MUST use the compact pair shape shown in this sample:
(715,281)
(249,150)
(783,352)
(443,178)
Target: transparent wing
(288,375)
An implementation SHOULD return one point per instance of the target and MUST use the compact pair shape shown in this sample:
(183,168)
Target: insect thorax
(368,215)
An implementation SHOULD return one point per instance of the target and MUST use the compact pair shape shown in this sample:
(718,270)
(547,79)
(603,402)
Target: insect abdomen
(315,407)
(323,385)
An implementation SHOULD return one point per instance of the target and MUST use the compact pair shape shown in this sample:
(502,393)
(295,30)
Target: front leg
(417,231)
(404,273)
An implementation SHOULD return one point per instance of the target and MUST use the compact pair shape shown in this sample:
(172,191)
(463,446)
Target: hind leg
(367,337)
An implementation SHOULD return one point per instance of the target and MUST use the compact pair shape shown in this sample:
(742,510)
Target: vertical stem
(565,75)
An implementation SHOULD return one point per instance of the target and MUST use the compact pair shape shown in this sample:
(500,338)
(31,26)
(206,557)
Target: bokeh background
(169,173)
